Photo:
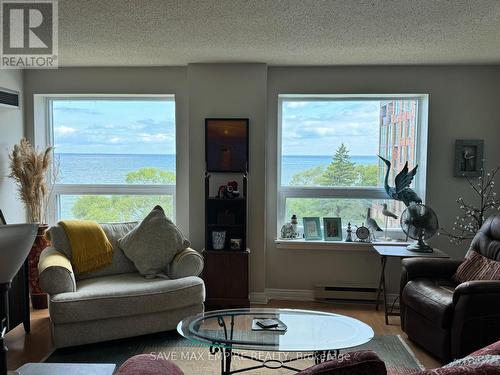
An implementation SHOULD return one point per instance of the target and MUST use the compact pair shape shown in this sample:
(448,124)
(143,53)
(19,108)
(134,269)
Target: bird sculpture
(371,223)
(401,192)
(388,214)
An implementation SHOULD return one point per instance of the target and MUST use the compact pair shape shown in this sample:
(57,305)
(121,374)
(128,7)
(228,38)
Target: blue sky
(148,127)
(319,127)
(114,126)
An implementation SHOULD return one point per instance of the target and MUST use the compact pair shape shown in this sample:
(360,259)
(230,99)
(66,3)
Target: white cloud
(159,137)
(64,130)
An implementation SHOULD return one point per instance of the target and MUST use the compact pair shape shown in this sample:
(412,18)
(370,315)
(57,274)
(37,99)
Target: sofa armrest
(55,272)
(431,268)
(186,263)
(477,288)
(363,362)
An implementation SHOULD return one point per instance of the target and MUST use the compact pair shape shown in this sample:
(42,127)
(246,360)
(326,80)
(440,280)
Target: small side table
(400,252)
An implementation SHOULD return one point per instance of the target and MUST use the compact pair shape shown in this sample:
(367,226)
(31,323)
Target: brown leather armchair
(446,318)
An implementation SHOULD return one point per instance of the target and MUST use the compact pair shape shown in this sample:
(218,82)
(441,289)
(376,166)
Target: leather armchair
(446,318)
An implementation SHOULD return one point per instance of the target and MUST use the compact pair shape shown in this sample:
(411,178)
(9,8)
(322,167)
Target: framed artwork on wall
(469,156)
(312,229)
(332,228)
(226,145)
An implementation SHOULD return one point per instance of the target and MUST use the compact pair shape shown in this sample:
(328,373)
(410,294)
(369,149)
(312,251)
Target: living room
(139,87)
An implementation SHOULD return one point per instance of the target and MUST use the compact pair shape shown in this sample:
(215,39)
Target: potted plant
(30,171)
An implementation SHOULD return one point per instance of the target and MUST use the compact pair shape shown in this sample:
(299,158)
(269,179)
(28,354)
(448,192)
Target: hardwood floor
(37,345)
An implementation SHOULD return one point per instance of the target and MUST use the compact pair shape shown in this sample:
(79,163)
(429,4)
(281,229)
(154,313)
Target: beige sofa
(116,301)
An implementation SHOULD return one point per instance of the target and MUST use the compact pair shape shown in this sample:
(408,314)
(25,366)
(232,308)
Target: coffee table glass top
(307,331)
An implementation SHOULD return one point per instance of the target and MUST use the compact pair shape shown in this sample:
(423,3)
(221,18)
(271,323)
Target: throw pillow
(477,267)
(153,243)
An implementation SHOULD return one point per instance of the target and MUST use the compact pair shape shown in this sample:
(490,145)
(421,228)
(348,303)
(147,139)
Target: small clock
(363,233)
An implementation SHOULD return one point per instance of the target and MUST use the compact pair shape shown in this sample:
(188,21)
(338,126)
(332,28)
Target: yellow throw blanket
(91,249)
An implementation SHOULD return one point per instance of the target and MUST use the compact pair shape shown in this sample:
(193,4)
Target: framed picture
(226,145)
(468,157)
(312,229)
(2,219)
(332,228)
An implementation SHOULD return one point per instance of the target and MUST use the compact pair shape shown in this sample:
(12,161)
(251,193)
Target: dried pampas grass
(29,170)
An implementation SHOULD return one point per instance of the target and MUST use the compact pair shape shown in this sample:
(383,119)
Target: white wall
(230,90)
(11,131)
(463,104)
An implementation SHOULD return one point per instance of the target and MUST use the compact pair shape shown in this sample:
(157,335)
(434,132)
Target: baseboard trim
(262,298)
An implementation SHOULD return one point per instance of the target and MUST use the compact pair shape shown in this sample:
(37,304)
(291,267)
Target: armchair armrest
(186,263)
(432,268)
(55,272)
(363,362)
(477,288)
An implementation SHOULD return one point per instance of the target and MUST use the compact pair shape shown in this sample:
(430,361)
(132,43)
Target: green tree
(309,177)
(367,175)
(117,208)
(341,171)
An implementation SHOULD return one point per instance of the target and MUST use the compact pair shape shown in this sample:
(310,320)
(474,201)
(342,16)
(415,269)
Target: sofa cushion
(114,231)
(477,267)
(124,295)
(431,299)
(153,244)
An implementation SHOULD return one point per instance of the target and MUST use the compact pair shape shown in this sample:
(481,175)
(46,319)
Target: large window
(115,156)
(328,154)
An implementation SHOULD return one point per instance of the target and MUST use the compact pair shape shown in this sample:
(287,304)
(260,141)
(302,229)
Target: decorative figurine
(388,214)
(349,233)
(287,232)
(402,191)
(372,224)
(294,223)
(363,233)
(229,191)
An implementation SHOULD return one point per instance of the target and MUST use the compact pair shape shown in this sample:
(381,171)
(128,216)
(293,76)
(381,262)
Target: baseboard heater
(345,294)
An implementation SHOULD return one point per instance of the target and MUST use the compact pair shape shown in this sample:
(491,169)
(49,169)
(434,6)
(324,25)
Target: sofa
(363,362)
(116,301)
(447,318)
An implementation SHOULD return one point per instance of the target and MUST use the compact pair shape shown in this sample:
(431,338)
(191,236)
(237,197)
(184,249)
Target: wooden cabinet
(226,270)
(226,279)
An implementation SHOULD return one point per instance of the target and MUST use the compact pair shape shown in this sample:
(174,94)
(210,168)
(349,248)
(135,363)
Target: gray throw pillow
(153,243)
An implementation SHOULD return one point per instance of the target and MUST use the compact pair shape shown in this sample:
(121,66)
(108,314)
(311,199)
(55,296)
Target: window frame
(58,189)
(421,134)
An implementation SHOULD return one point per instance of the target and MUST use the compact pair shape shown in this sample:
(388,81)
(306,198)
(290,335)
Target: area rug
(196,360)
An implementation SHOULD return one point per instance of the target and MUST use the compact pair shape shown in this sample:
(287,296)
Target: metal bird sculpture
(372,224)
(388,213)
(402,191)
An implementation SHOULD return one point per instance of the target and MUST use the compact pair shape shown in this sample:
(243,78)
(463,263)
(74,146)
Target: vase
(218,240)
(38,297)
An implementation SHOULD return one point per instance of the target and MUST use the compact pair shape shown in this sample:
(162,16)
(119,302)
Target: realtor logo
(29,34)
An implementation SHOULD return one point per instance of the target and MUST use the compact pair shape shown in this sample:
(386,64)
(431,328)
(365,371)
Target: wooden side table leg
(384,261)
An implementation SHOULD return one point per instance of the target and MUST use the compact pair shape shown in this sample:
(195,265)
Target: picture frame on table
(332,228)
(312,228)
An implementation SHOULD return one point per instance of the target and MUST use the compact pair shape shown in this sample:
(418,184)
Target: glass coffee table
(322,334)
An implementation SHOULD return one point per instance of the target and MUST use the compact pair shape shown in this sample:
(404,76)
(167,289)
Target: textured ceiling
(279,32)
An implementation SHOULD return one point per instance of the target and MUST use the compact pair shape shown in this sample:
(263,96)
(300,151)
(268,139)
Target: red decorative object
(38,297)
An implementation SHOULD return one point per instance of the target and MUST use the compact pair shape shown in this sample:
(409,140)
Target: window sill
(340,246)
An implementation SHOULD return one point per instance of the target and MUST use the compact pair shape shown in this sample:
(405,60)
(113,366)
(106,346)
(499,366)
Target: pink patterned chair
(363,362)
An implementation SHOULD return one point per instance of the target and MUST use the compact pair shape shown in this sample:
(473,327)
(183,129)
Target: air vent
(9,98)
(344,293)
